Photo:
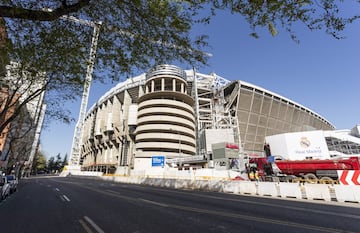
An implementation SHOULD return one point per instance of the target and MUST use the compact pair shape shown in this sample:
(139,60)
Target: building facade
(19,139)
(177,114)
(261,112)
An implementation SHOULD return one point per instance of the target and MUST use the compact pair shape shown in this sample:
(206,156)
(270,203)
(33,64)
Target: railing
(166,70)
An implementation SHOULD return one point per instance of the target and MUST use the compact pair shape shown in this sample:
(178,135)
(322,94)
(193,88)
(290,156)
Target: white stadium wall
(166,112)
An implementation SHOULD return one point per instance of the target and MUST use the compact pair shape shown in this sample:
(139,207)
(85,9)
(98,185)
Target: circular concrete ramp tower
(166,121)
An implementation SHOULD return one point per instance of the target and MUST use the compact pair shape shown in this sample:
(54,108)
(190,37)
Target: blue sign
(158,161)
(271,159)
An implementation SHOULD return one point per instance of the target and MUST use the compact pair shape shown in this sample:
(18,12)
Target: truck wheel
(291,179)
(326,180)
(311,178)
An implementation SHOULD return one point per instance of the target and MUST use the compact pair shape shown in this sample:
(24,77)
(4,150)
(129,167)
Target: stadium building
(179,114)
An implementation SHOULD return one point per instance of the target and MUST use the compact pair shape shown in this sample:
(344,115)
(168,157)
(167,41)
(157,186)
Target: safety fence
(325,192)
(223,181)
(301,191)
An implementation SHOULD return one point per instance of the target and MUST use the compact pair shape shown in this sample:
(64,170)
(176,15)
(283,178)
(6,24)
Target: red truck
(312,171)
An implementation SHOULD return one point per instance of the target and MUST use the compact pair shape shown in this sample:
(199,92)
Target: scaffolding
(212,109)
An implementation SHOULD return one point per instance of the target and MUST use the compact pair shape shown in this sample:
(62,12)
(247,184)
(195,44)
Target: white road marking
(111,191)
(153,202)
(268,204)
(86,228)
(96,227)
(66,198)
(57,189)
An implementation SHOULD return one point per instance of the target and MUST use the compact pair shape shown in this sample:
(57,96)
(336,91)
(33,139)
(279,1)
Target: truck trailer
(310,171)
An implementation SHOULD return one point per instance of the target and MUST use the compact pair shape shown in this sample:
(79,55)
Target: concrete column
(174,84)
(182,88)
(152,86)
(162,84)
(146,89)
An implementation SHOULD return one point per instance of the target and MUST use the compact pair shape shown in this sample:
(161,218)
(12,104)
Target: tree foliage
(56,164)
(137,34)
(328,15)
(134,36)
(39,163)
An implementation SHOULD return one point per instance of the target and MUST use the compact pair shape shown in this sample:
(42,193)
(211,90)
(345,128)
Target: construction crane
(74,159)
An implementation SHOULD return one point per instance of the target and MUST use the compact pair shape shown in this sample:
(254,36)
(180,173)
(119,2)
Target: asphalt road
(72,204)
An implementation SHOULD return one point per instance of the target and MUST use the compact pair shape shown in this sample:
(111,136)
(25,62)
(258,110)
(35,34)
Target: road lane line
(153,202)
(111,191)
(62,198)
(232,215)
(97,228)
(56,189)
(66,198)
(269,204)
(259,219)
(86,228)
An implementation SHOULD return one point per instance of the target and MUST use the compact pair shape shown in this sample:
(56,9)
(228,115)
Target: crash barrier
(323,192)
(221,181)
(349,177)
(192,174)
(305,191)
(80,173)
(347,193)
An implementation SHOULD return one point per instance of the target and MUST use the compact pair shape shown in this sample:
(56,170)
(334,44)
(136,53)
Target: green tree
(58,163)
(39,163)
(328,15)
(64,162)
(51,164)
(135,35)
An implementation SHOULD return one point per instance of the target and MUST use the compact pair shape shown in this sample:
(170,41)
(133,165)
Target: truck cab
(267,169)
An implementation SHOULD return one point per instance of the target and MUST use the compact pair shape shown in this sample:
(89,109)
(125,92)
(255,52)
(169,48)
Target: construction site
(169,117)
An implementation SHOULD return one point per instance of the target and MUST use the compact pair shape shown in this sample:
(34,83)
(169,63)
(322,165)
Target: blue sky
(321,73)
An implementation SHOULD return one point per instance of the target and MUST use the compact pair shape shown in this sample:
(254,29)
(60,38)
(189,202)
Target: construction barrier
(289,190)
(247,187)
(349,177)
(268,189)
(230,187)
(303,191)
(317,192)
(347,193)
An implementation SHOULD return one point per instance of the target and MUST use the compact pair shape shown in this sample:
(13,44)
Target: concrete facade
(261,113)
(168,111)
(166,118)
(20,139)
